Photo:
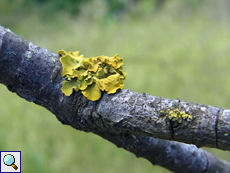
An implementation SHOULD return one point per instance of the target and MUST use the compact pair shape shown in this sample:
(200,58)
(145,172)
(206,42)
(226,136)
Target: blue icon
(9,160)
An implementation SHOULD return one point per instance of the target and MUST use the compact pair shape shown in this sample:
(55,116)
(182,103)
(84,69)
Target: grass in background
(165,54)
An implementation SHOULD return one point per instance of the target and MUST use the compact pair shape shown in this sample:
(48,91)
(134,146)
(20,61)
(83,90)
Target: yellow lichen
(68,86)
(176,115)
(70,61)
(91,75)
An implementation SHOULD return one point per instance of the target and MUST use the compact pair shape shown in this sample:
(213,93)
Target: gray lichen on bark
(129,120)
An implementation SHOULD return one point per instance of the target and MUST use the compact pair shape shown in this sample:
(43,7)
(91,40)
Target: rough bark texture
(127,119)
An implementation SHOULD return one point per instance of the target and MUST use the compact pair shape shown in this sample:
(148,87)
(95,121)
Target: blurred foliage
(53,6)
(108,9)
(45,6)
(177,49)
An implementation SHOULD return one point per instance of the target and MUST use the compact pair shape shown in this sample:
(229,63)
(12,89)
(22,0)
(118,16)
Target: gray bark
(127,119)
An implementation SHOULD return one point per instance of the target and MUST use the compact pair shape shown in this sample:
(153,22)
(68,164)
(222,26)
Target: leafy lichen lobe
(91,75)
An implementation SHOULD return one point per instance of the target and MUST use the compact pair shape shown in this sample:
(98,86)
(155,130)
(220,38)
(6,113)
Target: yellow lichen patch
(92,92)
(177,115)
(84,82)
(115,61)
(70,61)
(92,64)
(110,70)
(91,75)
(68,86)
(79,73)
(100,73)
(121,72)
(110,84)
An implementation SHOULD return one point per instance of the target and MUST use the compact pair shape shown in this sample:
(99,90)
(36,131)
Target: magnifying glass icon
(9,160)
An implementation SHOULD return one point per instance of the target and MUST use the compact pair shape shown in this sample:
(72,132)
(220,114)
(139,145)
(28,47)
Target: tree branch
(127,119)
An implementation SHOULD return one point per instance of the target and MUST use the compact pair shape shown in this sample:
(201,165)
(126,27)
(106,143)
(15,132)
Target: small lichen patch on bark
(176,115)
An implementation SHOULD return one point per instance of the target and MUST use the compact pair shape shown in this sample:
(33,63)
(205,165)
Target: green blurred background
(174,49)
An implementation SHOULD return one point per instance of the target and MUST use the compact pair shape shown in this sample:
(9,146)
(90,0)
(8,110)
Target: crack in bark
(216,125)
(101,119)
(95,108)
(99,115)
(172,131)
